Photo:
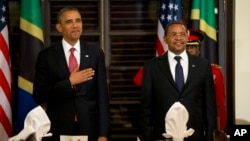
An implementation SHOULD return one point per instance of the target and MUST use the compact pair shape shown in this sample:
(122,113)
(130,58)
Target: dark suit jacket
(159,92)
(89,100)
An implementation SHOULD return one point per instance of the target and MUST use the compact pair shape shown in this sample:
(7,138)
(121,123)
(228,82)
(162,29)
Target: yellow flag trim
(31,29)
(195,14)
(210,31)
(25,84)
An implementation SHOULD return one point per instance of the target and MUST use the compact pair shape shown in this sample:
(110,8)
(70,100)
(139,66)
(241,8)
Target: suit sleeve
(210,105)
(145,108)
(103,96)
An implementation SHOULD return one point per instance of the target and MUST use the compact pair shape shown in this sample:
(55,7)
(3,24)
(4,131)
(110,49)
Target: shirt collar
(183,55)
(67,46)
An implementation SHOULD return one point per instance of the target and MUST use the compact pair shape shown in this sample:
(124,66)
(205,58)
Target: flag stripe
(5,86)
(4,120)
(195,14)
(204,26)
(30,48)
(5,35)
(25,104)
(5,76)
(25,84)
(31,28)
(5,73)
(5,68)
(210,31)
(31,42)
(5,104)
(207,18)
(161,46)
(4,45)
(207,12)
(203,18)
(3,134)
(31,12)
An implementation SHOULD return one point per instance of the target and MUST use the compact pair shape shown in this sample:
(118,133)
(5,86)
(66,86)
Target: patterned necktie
(72,60)
(179,78)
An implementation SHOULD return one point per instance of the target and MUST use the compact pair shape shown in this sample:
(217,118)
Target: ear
(188,32)
(59,27)
(165,38)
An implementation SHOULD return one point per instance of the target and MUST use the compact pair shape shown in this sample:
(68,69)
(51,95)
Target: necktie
(179,78)
(72,66)
(72,60)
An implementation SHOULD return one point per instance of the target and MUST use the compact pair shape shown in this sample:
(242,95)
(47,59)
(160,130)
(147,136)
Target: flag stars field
(166,15)
(3,8)
(3,14)
(163,7)
(3,19)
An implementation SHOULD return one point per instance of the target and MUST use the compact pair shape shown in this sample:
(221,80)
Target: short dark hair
(170,24)
(65,9)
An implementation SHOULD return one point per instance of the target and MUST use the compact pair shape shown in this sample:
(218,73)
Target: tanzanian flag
(203,18)
(31,42)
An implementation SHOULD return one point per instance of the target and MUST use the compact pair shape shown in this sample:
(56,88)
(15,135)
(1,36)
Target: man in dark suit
(160,91)
(76,98)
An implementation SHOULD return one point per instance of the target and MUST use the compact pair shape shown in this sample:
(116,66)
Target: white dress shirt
(173,62)
(66,48)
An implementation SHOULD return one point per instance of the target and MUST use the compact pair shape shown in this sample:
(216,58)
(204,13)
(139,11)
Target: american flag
(169,11)
(5,76)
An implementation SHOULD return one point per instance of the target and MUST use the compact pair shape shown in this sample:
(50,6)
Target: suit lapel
(192,67)
(164,64)
(61,60)
(85,56)
(192,71)
(85,60)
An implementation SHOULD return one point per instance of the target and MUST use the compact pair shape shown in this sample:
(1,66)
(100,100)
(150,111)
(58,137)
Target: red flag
(169,11)
(5,76)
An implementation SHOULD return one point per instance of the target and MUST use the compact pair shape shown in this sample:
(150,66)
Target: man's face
(193,49)
(176,38)
(70,26)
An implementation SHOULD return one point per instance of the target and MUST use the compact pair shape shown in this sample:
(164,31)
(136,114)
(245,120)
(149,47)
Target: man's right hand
(77,77)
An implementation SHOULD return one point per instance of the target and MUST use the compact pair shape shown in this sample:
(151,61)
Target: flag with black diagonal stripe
(31,42)
(203,18)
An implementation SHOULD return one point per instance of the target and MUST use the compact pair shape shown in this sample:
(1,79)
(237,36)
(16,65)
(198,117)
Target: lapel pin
(87,56)
(193,65)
